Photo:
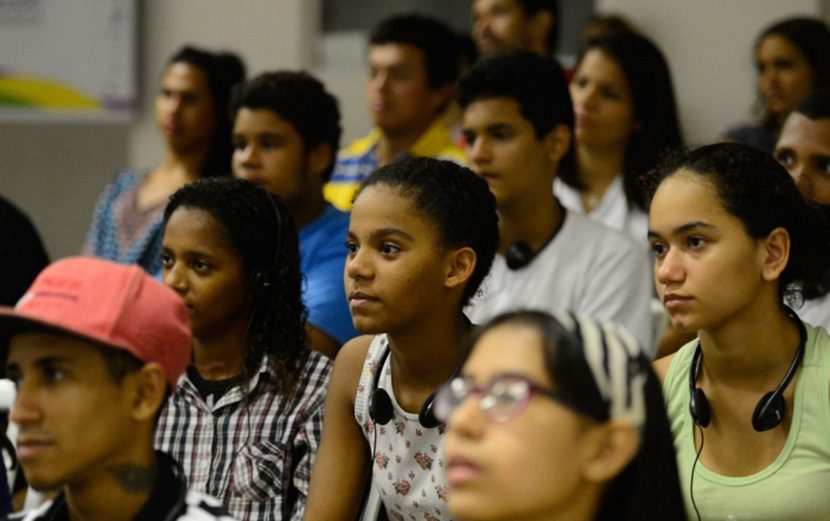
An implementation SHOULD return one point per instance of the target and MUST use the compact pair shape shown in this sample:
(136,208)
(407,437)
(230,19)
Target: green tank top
(796,486)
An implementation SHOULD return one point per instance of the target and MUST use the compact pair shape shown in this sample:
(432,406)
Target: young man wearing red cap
(94,348)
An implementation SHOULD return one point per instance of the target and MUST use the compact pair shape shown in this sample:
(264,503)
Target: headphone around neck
(380,404)
(771,409)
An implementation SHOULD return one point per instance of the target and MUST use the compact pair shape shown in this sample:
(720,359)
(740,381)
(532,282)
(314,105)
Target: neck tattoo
(134,479)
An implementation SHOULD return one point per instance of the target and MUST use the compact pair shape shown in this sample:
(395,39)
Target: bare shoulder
(348,366)
(661,367)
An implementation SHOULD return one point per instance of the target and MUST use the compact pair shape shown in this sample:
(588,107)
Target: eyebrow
(385,232)
(685,228)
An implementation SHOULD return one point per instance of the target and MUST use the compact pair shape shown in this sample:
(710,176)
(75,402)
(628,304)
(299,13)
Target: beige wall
(709,47)
(55,171)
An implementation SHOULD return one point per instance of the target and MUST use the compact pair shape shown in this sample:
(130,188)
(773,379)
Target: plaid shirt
(257,463)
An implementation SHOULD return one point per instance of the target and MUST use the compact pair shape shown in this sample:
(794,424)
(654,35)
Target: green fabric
(796,486)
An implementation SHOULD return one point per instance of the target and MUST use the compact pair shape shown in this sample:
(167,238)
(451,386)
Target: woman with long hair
(749,398)
(191,113)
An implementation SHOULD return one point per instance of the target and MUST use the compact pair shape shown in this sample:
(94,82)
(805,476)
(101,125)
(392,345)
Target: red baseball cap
(109,304)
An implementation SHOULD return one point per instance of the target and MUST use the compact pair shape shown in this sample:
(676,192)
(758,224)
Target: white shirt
(816,312)
(586,268)
(612,211)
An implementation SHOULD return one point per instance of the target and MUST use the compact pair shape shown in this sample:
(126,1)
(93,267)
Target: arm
(343,459)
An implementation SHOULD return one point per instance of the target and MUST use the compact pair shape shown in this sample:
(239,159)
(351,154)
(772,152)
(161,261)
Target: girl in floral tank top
(422,237)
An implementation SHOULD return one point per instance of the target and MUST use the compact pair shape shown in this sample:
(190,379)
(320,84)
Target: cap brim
(13,323)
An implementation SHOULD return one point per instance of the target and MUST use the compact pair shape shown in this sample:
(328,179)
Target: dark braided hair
(246,215)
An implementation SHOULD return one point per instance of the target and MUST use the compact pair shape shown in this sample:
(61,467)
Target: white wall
(708,44)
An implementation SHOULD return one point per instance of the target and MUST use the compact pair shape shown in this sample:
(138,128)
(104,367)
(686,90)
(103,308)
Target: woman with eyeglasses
(557,418)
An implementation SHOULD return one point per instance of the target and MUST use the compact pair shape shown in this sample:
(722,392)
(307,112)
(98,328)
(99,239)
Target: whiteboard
(67,60)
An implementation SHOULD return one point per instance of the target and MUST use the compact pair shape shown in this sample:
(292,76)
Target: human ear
(149,386)
(319,159)
(611,447)
(440,97)
(459,267)
(776,254)
(558,142)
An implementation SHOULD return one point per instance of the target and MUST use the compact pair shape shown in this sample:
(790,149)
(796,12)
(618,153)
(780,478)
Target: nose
(479,152)
(25,409)
(669,269)
(358,266)
(467,420)
(803,181)
(250,156)
(174,278)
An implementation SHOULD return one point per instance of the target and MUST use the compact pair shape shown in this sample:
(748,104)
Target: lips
(359,299)
(29,448)
(461,470)
(673,300)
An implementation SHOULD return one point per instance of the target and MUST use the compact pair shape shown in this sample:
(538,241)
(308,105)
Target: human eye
(785,157)
(658,249)
(166,260)
(52,373)
(611,93)
(501,134)
(696,242)
(238,143)
(580,81)
(13,374)
(389,248)
(469,137)
(351,247)
(823,165)
(201,266)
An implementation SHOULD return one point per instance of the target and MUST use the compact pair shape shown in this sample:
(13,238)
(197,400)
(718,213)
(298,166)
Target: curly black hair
(432,37)
(299,98)
(458,202)
(260,229)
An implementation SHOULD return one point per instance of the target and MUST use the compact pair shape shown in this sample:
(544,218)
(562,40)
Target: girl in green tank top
(749,399)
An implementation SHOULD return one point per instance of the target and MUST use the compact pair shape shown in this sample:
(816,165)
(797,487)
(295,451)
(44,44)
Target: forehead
(383,207)
(776,45)
(27,348)
(598,63)
(806,135)
(483,6)
(182,75)
(190,227)
(262,120)
(387,55)
(508,348)
(492,111)
(685,197)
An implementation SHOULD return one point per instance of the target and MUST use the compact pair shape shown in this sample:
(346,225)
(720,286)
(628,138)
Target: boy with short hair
(94,349)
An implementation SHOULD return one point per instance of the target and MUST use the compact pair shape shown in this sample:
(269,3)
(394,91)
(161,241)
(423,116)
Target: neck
(532,221)
(741,351)
(425,356)
(598,167)
(184,163)
(393,143)
(220,356)
(308,210)
(116,492)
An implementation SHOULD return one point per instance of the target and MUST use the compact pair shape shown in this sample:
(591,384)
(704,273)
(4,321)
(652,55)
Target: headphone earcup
(769,412)
(699,408)
(426,416)
(380,410)
(518,255)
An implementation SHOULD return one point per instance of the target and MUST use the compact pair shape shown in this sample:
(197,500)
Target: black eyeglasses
(503,398)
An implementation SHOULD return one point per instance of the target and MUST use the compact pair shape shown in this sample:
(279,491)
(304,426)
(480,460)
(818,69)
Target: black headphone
(520,254)
(770,410)
(262,282)
(380,404)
